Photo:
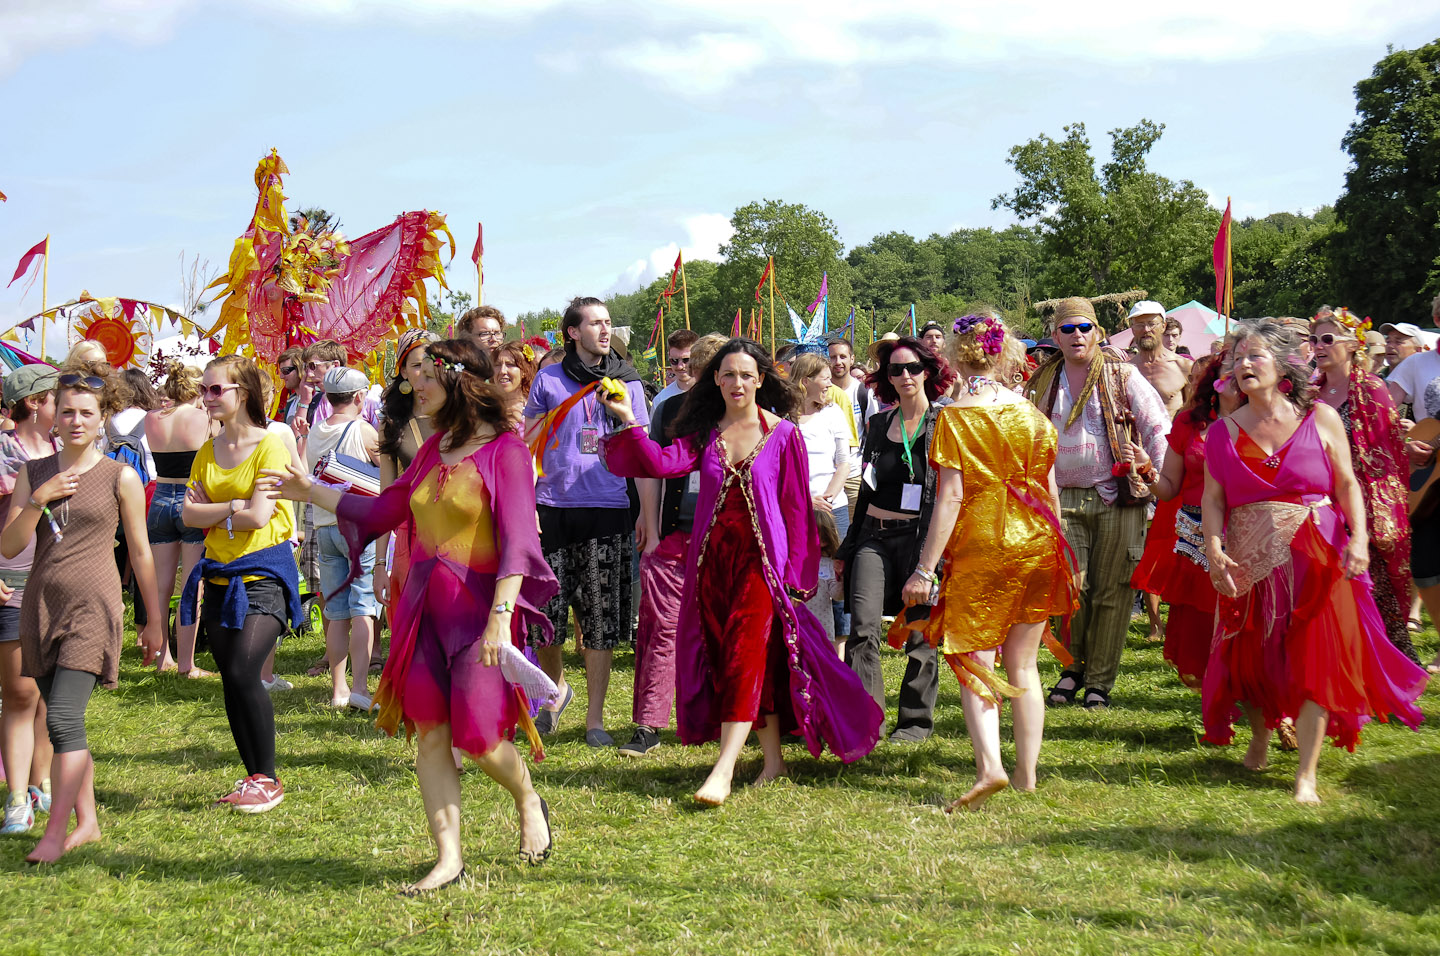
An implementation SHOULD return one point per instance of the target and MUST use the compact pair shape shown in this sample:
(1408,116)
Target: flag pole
(684,292)
(44,294)
(660,346)
(772,308)
(1229,273)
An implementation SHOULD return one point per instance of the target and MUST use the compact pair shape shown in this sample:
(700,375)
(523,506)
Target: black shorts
(591,552)
(9,624)
(266,597)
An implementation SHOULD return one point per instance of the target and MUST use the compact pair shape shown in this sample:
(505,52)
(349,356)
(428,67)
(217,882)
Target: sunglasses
(1329,338)
(318,366)
(75,379)
(215,391)
(897,369)
(680,361)
(288,369)
(1072,327)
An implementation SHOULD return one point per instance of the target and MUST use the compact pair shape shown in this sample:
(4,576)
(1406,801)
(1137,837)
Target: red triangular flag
(128,307)
(1222,242)
(41,248)
(735,329)
(769,264)
(479,249)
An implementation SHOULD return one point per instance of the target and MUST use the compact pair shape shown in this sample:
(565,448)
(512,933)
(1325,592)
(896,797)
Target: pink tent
(1201,327)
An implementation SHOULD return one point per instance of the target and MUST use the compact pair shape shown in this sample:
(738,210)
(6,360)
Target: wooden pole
(44,294)
(772,308)
(660,347)
(684,292)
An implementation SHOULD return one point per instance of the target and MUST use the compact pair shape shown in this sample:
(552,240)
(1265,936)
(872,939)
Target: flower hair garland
(989,332)
(1348,320)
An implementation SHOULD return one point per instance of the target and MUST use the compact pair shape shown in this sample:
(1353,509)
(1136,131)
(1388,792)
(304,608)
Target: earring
(405,387)
(1221,384)
(1285,386)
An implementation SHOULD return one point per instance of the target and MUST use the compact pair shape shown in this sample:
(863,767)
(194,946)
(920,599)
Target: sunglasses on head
(215,391)
(1329,338)
(899,368)
(288,369)
(1070,328)
(75,379)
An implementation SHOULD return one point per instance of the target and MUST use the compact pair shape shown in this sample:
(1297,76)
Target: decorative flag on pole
(477,256)
(2,199)
(674,273)
(1224,281)
(848,332)
(912,320)
(735,329)
(770,264)
(41,248)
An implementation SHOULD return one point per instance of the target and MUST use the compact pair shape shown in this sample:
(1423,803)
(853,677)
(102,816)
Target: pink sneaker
(256,794)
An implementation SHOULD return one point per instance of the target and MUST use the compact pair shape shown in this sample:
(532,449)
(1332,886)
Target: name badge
(692,484)
(910,498)
(589,440)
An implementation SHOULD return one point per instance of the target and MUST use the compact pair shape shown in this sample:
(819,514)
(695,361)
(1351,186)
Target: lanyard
(907,442)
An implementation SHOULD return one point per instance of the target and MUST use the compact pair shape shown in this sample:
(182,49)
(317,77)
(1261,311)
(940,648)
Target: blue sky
(593,137)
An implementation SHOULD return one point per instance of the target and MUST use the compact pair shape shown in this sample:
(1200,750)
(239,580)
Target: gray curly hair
(1282,340)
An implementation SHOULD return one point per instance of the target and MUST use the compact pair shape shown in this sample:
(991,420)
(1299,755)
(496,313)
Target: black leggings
(240,656)
(66,693)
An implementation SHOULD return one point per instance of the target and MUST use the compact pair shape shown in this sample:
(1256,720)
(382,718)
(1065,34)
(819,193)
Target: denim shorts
(163,522)
(9,624)
(358,598)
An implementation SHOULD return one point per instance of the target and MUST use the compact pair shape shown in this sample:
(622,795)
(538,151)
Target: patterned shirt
(1083,458)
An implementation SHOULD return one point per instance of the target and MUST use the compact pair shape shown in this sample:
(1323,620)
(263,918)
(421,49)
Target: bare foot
(1305,791)
(195,673)
(1022,784)
(340,702)
(444,873)
(714,790)
(978,794)
(1257,755)
(46,851)
(535,837)
(82,835)
(1157,634)
(769,775)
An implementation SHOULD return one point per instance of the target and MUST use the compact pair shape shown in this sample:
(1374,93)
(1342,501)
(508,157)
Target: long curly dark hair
(470,399)
(705,405)
(939,376)
(1204,406)
(397,405)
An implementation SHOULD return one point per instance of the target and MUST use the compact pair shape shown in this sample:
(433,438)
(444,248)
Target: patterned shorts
(590,550)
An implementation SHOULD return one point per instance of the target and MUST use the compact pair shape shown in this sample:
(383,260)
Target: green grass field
(1138,841)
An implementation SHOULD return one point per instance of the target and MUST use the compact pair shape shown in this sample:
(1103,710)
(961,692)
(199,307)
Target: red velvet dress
(737,619)
(1173,565)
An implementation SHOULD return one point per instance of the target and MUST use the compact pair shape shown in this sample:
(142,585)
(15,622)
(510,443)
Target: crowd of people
(757,530)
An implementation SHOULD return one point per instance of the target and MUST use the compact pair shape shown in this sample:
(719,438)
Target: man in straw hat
(1099,407)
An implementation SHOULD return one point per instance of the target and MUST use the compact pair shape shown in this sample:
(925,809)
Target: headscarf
(409,341)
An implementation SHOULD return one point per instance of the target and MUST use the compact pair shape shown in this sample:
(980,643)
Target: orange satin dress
(1005,562)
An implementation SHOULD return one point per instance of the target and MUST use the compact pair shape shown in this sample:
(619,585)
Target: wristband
(504,607)
(35,504)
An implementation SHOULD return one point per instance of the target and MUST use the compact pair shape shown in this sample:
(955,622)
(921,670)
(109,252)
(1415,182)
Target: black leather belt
(885,524)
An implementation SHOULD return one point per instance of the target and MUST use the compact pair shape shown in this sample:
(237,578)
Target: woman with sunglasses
(892,514)
(997,524)
(71,622)
(252,587)
(477,580)
(749,653)
(175,432)
(1377,449)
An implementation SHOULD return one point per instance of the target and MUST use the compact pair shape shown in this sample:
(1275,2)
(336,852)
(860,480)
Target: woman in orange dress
(997,521)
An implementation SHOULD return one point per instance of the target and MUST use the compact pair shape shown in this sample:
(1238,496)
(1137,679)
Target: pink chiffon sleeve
(802,535)
(630,453)
(511,484)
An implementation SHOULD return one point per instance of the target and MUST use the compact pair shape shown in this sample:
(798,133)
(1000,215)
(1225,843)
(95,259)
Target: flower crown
(989,332)
(448,365)
(1346,319)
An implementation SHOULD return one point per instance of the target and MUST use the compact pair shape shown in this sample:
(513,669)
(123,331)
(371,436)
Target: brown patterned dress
(72,615)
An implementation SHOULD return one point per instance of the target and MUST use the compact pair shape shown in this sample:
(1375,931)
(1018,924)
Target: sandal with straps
(1096,699)
(1058,695)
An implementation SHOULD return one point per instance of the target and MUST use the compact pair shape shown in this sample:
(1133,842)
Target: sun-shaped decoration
(127,340)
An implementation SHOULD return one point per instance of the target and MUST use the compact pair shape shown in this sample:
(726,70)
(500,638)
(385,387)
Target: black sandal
(1058,695)
(531,857)
(1100,701)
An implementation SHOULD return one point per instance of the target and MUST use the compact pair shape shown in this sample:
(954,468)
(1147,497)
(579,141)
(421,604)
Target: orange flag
(769,264)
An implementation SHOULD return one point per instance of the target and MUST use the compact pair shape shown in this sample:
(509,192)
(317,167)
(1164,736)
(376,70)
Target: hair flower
(989,332)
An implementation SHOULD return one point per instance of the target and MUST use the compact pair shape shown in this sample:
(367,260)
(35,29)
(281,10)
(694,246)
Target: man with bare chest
(1167,371)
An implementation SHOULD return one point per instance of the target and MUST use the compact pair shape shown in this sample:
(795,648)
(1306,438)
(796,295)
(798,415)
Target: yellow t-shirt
(226,484)
(836,396)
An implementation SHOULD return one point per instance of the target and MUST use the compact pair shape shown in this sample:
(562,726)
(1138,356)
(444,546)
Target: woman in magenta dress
(1174,564)
(1297,631)
(477,579)
(749,652)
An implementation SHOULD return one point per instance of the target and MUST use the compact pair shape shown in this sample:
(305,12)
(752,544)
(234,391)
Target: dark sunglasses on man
(1070,328)
(289,369)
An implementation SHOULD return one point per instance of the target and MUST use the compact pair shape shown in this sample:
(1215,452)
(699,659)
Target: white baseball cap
(1145,307)
(1412,331)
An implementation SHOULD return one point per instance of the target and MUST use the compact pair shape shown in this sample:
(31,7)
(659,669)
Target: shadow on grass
(1387,856)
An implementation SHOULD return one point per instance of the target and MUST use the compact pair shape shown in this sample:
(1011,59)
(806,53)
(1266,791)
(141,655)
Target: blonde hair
(807,365)
(964,350)
(182,382)
(87,350)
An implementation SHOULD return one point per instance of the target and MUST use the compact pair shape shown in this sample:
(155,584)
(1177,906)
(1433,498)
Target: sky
(594,137)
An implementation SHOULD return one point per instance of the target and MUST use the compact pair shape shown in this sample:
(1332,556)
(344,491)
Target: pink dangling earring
(1286,386)
(1221,384)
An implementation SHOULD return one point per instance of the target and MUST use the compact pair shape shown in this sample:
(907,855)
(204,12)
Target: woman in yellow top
(251,581)
(997,521)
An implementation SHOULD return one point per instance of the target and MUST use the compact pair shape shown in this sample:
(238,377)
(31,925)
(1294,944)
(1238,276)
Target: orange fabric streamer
(544,438)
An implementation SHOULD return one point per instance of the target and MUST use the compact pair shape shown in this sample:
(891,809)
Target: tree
(1122,227)
(1389,214)
(442,319)
(805,244)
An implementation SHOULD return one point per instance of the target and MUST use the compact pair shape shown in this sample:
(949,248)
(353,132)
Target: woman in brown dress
(71,627)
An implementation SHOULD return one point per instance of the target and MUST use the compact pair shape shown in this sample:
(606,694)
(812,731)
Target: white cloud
(707,232)
(704,46)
